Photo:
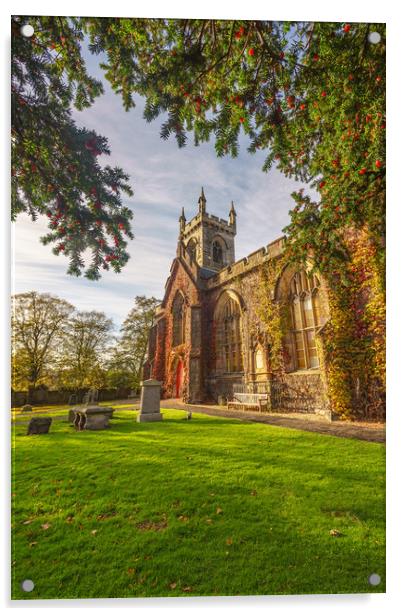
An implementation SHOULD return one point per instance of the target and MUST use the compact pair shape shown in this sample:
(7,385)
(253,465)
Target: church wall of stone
(189,352)
(202,290)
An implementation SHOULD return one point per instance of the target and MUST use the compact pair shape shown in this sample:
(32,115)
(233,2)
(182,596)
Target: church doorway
(179,378)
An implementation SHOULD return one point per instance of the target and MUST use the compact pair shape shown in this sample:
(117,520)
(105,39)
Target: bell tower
(209,240)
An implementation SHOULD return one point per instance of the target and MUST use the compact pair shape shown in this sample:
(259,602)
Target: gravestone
(39,425)
(73,399)
(150,401)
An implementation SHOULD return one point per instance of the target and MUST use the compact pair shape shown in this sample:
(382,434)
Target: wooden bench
(249,401)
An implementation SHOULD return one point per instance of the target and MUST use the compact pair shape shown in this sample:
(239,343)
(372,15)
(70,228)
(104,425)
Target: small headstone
(72,399)
(27,408)
(39,425)
(150,401)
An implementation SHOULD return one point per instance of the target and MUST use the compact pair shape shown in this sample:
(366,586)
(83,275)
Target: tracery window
(217,253)
(178,319)
(192,249)
(229,344)
(306,319)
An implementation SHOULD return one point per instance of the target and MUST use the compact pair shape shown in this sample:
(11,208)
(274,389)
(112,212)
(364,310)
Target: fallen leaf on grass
(209,521)
(335,532)
(33,543)
(219,510)
(131,571)
(45,526)
(253,493)
(229,541)
(28,522)
(173,585)
(187,589)
(93,532)
(183,518)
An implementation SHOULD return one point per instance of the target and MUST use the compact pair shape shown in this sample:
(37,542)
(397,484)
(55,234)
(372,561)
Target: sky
(164,179)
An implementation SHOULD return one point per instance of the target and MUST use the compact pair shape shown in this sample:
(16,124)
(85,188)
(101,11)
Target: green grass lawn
(211,506)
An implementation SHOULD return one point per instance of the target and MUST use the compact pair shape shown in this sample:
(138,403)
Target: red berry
(323,94)
(241,120)
(316,57)
(362,171)
(322,184)
(302,107)
(61,247)
(121,226)
(378,164)
(378,79)
(291,101)
(251,52)
(346,28)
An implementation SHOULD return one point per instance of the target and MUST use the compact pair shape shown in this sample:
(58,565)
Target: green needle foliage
(311,94)
(55,168)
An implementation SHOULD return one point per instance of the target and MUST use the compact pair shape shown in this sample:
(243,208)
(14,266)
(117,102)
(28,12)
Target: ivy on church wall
(273,313)
(353,341)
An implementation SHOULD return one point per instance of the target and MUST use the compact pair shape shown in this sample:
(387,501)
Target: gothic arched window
(306,319)
(178,320)
(228,337)
(192,249)
(217,253)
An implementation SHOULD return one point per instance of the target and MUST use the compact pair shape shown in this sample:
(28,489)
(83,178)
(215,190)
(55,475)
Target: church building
(211,336)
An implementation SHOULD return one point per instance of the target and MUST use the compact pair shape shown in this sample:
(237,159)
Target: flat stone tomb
(150,401)
(91,417)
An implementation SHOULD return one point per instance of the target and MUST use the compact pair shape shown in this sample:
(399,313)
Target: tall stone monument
(150,401)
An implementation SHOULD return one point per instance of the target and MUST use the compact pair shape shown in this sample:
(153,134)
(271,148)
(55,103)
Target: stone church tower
(209,240)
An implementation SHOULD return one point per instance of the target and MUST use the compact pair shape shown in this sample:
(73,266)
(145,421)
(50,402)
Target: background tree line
(59,347)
